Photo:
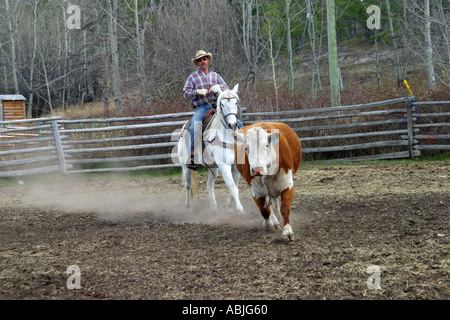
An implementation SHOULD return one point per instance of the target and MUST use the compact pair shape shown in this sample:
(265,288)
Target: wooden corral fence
(24,145)
(122,144)
(390,129)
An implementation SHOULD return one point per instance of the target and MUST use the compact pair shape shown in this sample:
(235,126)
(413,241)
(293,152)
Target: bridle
(224,117)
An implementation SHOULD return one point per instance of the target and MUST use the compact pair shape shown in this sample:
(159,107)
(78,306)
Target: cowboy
(201,87)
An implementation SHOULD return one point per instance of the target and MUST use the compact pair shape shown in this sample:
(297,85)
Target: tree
(143,48)
(428,44)
(141,28)
(33,60)
(289,47)
(332,54)
(175,34)
(394,42)
(312,38)
(250,37)
(10,16)
(428,47)
(442,57)
(113,15)
(273,20)
(405,40)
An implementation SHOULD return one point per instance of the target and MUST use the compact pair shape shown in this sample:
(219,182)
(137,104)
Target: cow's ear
(240,138)
(274,136)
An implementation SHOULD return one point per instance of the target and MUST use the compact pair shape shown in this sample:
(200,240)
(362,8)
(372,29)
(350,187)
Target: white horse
(218,153)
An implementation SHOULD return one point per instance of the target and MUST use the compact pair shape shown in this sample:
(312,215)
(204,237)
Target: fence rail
(37,153)
(389,129)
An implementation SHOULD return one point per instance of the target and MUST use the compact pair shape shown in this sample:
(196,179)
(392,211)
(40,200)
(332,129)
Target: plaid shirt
(199,80)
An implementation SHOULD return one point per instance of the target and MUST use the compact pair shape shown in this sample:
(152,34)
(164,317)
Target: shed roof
(12,97)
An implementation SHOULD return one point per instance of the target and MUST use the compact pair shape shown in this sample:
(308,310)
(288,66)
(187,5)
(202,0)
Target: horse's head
(227,105)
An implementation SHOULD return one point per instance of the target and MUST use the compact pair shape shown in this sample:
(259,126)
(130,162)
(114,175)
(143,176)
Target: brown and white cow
(268,155)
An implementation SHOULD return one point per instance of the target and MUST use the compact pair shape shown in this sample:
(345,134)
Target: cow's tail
(194,187)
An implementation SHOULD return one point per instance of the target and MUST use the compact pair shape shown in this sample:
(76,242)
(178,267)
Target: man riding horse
(200,88)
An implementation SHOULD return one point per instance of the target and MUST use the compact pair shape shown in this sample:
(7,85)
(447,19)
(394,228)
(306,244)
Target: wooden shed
(12,107)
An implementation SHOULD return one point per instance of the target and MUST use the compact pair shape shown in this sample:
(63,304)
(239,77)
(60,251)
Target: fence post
(59,147)
(410,123)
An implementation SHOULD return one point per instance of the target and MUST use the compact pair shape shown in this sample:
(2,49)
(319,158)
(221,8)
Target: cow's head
(261,149)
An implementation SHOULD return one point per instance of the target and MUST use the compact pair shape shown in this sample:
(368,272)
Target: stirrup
(192,165)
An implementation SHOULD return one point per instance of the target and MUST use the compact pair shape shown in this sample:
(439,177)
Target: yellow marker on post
(407,87)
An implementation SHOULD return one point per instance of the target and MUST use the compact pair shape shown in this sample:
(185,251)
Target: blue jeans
(198,117)
(196,122)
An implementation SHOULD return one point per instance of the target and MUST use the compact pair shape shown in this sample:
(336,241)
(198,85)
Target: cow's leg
(234,191)
(212,175)
(286,200)
(187,174)
(264,208)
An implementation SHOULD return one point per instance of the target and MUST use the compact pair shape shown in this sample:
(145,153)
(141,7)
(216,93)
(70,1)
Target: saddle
(206,120)
(209,115)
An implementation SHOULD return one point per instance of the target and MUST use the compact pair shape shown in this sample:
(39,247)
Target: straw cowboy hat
(199,54)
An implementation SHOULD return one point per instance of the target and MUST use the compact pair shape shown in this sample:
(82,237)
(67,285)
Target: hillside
(357,62)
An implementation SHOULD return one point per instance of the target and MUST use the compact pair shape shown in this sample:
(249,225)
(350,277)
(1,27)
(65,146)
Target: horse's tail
(194,187)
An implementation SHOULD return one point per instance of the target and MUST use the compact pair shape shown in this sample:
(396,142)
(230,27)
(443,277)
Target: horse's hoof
(288,234)
(268,225)
(288,237)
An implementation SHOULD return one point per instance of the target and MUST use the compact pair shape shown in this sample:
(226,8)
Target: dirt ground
(131,237)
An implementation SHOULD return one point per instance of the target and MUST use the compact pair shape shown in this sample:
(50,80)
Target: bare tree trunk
(106,82)
(105,61)
(140,43)
(332,54)
(320,47)
(248,39)
(405,44)
(9,14)
(289,47)
(272,62)
(312,39)
(115,55)
(47,84)
(5,75)
(377,61)
(65,55)
(274,74)
(429,48)
(394,42)
(251,38)
(442,19)
(85,88)
(33,59)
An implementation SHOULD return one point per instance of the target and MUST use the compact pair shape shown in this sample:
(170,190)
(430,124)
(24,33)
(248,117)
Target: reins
(223,117)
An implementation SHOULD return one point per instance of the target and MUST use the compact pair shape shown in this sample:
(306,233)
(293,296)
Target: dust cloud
(136,201)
